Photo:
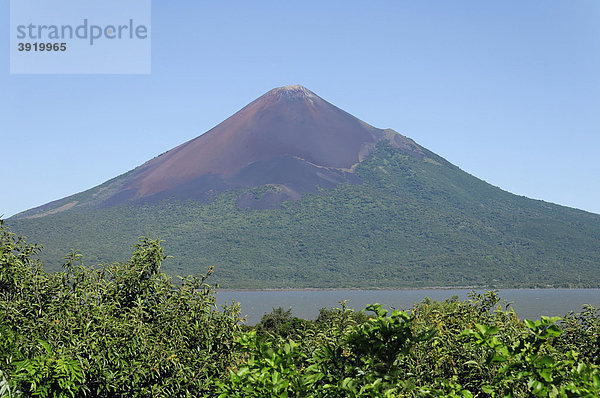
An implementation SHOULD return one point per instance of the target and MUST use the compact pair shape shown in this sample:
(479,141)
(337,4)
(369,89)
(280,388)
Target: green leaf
(243,371)
(530,324)
(497,358)
(482,328)
(546,374)
(545,361)
(46,346)
(488,389)
(554,331)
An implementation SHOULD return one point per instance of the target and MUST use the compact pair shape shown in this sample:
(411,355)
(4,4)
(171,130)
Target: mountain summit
(289,139)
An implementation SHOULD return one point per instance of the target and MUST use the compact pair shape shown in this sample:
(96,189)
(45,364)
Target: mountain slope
(289,138)
(402,217)
(411,223)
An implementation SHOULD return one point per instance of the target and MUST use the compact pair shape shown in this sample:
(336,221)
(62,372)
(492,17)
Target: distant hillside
(407,221)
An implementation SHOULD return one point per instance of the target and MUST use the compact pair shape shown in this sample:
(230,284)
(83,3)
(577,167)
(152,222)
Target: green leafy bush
(123,329)
(532,365)
(456,348)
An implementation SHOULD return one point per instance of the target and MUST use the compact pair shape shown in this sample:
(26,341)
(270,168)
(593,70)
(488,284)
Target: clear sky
(507,90)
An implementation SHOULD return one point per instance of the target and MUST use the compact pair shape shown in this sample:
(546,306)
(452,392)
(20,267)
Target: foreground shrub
(452,349)
(126,329)
(123,329)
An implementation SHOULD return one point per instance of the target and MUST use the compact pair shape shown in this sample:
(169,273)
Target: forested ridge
(128,329)
(413,222)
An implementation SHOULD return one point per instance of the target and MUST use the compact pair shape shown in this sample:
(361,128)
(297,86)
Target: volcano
(289,139)
(292,191)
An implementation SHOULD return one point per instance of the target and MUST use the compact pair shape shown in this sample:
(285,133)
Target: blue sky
(507,90)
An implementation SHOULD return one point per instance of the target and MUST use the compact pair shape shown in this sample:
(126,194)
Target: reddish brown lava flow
(288,121)
(290,139)
(288,136)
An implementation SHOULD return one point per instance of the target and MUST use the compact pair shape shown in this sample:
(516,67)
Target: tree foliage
(472,348)
(123,329)
(126,329)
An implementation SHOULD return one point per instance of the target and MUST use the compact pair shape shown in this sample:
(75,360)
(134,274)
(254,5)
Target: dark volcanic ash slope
(289,138)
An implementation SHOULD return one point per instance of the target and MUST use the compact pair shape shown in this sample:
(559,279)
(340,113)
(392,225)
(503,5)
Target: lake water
(528,303)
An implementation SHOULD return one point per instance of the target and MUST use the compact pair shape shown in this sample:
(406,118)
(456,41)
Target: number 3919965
(42,46)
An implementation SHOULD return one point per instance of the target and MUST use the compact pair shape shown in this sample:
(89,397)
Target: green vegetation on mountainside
(413,222)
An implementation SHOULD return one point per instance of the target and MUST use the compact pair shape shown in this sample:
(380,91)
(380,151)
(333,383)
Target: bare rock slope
(289,139)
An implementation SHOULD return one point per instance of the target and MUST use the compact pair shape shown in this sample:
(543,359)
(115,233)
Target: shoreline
(349,289)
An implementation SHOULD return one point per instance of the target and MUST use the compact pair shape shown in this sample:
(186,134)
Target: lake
(528,303)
